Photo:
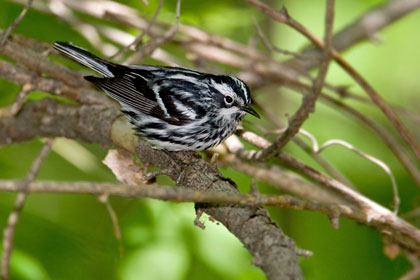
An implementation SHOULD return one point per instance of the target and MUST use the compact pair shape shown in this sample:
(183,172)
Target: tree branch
(273,252)
(102,125)
(9,231)
(284,17)
(22,14)
(167,193)
(36,81)
(309,100)
(363,28)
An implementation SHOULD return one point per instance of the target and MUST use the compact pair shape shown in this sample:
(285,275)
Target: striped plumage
(173,108)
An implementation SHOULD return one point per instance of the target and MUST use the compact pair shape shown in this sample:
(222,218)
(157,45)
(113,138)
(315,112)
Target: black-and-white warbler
(173,108)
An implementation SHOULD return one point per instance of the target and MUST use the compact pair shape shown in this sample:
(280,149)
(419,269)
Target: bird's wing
(181,98)
(134,91)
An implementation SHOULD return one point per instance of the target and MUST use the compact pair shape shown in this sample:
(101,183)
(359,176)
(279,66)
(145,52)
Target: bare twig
(104,198)
(376,161)
(304,253)
(7,32)
(331,170)
(370,212)
(143,33)
(19,203)
(362,28)
(309,100)
(270,46)
(96,122)
(383,134)
(269,114)
(283,17)
(176,194)
(26,89)
(154,44)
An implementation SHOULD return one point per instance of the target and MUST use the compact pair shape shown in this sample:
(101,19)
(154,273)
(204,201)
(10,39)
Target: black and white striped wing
(181,99)
(137,94)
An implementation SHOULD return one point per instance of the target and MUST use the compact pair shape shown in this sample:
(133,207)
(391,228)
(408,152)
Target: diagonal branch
(153,44)
(363,28)
(309,100)
(9,231)
(139,38)
(15,23)
(284,17)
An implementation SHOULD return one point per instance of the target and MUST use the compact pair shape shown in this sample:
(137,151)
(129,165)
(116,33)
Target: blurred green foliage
(71,236)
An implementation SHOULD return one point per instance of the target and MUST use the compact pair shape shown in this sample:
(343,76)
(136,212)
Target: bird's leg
(213,160)
(179,163)
(148,176)
(168,171)
(151,176)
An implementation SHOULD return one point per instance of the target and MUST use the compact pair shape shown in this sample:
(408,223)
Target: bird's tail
(85,58)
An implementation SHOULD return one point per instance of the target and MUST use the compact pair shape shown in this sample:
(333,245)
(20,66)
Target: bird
(172,108)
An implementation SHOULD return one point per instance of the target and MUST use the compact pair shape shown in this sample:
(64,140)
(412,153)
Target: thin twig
(143,33)
(270,46)
(176,194)
(283,17)
(304,253)
(23,190)
(309,100)
(104,198)
(366,210)
(389,140)
(152,45)
(346,191)
(7,32)
(26,89)
(331,170)
(376,161)
(362,28)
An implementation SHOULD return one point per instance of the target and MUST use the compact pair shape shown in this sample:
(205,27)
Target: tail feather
(85,58)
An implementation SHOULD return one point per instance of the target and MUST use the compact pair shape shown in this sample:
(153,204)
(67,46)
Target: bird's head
(232,96)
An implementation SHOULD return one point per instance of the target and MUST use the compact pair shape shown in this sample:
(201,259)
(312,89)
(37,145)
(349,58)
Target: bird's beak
(251,111)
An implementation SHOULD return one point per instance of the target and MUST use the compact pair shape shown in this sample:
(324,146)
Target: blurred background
(71,236)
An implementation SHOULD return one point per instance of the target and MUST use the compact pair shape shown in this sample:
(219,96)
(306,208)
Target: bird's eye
(228,100)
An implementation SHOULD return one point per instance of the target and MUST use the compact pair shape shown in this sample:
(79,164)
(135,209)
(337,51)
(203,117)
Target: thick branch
(273,252)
